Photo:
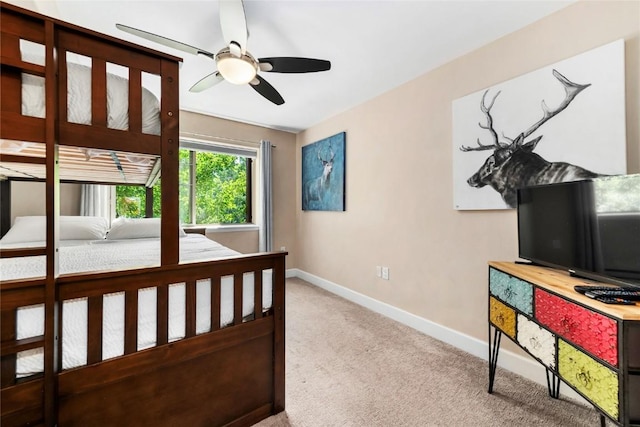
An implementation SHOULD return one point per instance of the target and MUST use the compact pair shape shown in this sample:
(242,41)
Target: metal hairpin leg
(494,350)
(553,384)
(603,421)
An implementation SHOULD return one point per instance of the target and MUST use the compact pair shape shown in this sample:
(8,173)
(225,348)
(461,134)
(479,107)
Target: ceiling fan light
(237,70)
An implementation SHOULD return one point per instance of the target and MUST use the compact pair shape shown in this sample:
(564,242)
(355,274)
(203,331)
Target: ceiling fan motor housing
(237,70)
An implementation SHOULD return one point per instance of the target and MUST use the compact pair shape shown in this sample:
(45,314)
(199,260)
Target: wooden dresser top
(561,283)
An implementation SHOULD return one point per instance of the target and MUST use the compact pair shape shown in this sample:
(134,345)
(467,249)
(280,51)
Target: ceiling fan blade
(164,41)
(285,64)
(265,89)
(234,24)
(207,82)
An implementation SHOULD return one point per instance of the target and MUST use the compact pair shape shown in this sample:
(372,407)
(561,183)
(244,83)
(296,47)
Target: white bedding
(79,100)
(82,256)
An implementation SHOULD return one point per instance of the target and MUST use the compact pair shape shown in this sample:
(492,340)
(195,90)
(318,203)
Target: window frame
(249,155)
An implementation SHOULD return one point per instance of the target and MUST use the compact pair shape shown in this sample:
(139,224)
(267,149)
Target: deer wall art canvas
(323,174)
(563,122)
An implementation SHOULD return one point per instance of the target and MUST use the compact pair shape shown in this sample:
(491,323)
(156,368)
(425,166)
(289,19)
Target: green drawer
(595,381)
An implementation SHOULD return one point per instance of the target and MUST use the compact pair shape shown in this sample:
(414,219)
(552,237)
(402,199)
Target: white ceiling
(373,46)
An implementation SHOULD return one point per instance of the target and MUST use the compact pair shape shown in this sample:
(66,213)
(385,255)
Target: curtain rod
(214,138)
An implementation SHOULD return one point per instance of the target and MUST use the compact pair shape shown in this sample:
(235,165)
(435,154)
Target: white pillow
(34,229)
(136,228)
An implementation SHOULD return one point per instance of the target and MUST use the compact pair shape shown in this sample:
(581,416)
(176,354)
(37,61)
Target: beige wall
(399,193)
(245,242)
(28,198)
(284,159)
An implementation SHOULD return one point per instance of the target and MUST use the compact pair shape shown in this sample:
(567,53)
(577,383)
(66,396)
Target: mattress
(96,255)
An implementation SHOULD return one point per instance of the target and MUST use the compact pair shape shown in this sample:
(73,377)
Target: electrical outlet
(385,273)
(378,271)
(283,248)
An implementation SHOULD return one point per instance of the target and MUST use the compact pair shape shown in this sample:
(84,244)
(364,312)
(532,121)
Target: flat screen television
(590,228)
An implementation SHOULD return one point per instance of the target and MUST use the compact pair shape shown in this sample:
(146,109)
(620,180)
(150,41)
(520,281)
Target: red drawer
(592,331)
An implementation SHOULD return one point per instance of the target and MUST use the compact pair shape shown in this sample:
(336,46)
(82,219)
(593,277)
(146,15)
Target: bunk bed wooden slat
(98,92)
(131,322)
(23,128)
(21,293)
(13,347)
(237,298)
(63,88)
(215,303)
(25,67)
(94,329)
(190,308)
(78,135)
(162,314)
(257,294)
(135,100)
(19,252)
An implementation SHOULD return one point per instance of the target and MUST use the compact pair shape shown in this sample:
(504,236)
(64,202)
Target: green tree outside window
(131,199)
(220,194)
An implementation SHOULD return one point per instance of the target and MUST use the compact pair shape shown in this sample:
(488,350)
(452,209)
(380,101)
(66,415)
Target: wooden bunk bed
(228,375)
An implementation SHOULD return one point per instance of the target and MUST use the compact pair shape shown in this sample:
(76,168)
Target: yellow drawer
(502,317)
(594,380)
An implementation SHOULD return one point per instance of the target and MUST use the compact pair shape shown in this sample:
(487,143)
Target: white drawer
(537,341)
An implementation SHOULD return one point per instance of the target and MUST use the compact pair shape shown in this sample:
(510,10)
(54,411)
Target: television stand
(592,347)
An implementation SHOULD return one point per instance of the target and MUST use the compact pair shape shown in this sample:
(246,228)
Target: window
(215,187)
(215,184)
(131,201)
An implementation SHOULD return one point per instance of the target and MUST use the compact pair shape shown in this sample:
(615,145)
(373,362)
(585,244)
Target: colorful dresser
(591,346)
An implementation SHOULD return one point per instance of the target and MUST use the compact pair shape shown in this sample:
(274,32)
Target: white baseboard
(523,366)
(291,272)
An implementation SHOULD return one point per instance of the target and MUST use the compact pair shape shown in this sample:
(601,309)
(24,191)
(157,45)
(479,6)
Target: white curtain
(95,200)
(266,208)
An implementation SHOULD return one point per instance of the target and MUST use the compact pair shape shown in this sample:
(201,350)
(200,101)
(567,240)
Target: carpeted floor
(348,366)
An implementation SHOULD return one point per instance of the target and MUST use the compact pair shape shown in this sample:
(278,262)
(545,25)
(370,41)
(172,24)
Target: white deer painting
(323,174)
(562,122)
(513,164)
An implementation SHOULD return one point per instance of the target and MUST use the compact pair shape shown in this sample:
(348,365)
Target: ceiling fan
(234,63)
